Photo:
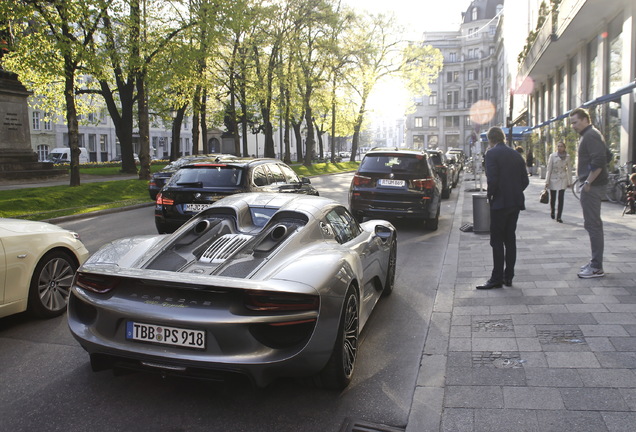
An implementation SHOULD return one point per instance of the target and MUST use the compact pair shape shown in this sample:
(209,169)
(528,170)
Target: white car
(37,263)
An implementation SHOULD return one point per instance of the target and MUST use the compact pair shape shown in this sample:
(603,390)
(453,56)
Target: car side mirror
(383,232)
(305,180)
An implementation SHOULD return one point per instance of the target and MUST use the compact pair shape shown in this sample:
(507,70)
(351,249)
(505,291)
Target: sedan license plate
(391,182)
(196,207)
(165,335)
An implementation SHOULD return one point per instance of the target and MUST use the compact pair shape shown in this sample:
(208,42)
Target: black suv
(197,185)
(444,170)
(396,183)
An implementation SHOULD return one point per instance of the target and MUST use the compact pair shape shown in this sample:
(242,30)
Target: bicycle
(617,182)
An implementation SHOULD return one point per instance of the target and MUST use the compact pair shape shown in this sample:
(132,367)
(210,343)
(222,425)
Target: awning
(517,133)
(599,100)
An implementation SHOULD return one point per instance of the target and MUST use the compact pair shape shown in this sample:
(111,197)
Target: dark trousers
(503,239)
(553,198)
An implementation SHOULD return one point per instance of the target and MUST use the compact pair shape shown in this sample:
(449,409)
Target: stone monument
(17,158)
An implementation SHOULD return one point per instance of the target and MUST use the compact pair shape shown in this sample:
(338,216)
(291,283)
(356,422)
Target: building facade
(582,55)
(443,119)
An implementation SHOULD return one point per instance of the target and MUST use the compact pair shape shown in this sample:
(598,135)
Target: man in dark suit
(507,179)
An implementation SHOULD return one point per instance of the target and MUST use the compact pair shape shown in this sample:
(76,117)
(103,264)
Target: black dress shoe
(507,282)
(559,220)
(489,284)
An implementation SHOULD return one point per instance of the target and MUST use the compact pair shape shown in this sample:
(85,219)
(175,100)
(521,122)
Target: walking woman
(558,178)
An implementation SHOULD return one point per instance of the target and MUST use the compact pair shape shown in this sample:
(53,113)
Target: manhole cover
(502,325)
(497,359)
(560,336)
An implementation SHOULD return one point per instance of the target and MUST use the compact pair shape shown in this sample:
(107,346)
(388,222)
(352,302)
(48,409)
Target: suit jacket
(507,177)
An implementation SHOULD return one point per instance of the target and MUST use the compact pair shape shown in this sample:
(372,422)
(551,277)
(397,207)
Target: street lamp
(173,143)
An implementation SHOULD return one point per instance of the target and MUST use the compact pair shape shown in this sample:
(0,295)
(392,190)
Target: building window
(418,141)
(433,141)
(48,124)
(432,99)
(471,75)
(455,76)
(476,74)
(418,100)
(452,57)
(103,143)
(432,122)
(474,12)
(452,99)
(418,122)
(449,77)
(470,33)
(36,120)
(92,143)
(43,152)
(451,121)
(468,121)
(472,96)
(492,30)
(80,140)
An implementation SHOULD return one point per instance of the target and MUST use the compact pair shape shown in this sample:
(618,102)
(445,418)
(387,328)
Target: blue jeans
(591,206)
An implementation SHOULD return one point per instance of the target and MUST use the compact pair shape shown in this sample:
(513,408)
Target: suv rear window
(393,163)
(208,176)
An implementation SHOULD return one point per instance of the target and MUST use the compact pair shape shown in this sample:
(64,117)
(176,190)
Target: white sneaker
(590,272)
(583,267)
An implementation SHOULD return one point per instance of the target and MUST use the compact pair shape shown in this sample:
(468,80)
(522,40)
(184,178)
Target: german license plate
(197,207)
(391,182)
(165,335)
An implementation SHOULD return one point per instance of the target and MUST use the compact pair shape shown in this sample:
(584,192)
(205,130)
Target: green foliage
(49,202)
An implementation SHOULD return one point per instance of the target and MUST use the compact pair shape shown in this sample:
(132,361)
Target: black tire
(576,187)
(446,192)
(433,223)
(620,192)
(51,284)
(162,228)
(337,373)
(358,217)
(389,283)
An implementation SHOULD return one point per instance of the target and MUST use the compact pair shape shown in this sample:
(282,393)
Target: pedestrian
(507,179)
(530,161)
(591,171)
(558,178)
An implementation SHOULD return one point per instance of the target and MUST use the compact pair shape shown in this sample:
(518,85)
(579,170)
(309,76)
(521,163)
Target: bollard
(481,213)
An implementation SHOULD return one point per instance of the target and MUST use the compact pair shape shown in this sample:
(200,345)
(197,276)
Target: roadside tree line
(302,67)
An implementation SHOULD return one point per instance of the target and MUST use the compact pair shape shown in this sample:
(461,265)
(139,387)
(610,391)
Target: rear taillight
(359,180)
(95,283)
(280,302)
(423,184)
(164,201)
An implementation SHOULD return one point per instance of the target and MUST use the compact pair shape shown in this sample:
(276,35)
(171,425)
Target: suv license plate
(165,335)
(196,207)
(390,182)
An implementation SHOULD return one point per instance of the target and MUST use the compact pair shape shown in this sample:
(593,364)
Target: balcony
(562,33)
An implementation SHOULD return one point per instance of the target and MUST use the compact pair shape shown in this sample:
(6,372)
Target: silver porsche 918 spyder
(266,285)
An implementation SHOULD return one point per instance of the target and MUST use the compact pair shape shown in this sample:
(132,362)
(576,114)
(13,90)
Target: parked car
(457,156)
(159,179)
(445,171)
(262,284)
(393,183)
(37,264)
(62,155)
(197,185)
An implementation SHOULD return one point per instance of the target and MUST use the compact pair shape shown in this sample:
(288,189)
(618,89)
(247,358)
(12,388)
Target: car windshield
(394,163)
(208,176)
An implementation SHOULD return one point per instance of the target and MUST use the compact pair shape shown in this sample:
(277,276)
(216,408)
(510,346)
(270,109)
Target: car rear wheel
(446,192)
(390,272)
(51,284)
(337,374)
(433,223)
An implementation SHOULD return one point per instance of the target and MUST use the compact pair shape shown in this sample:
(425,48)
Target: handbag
(544,198)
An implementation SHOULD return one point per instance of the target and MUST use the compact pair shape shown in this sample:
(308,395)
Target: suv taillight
(359,180)
(423,184)
(163,201)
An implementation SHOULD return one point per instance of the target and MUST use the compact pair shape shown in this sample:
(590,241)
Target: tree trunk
(144,129)
(71,120)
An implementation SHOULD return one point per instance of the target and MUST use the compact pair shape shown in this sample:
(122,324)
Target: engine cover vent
(224,248)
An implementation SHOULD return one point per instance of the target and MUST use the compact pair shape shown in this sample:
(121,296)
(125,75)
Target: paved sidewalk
(551,353)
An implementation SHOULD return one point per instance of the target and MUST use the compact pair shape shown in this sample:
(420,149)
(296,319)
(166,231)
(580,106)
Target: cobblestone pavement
(551,353)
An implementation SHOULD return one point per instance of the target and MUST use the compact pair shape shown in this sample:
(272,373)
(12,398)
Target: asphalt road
(46,382)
